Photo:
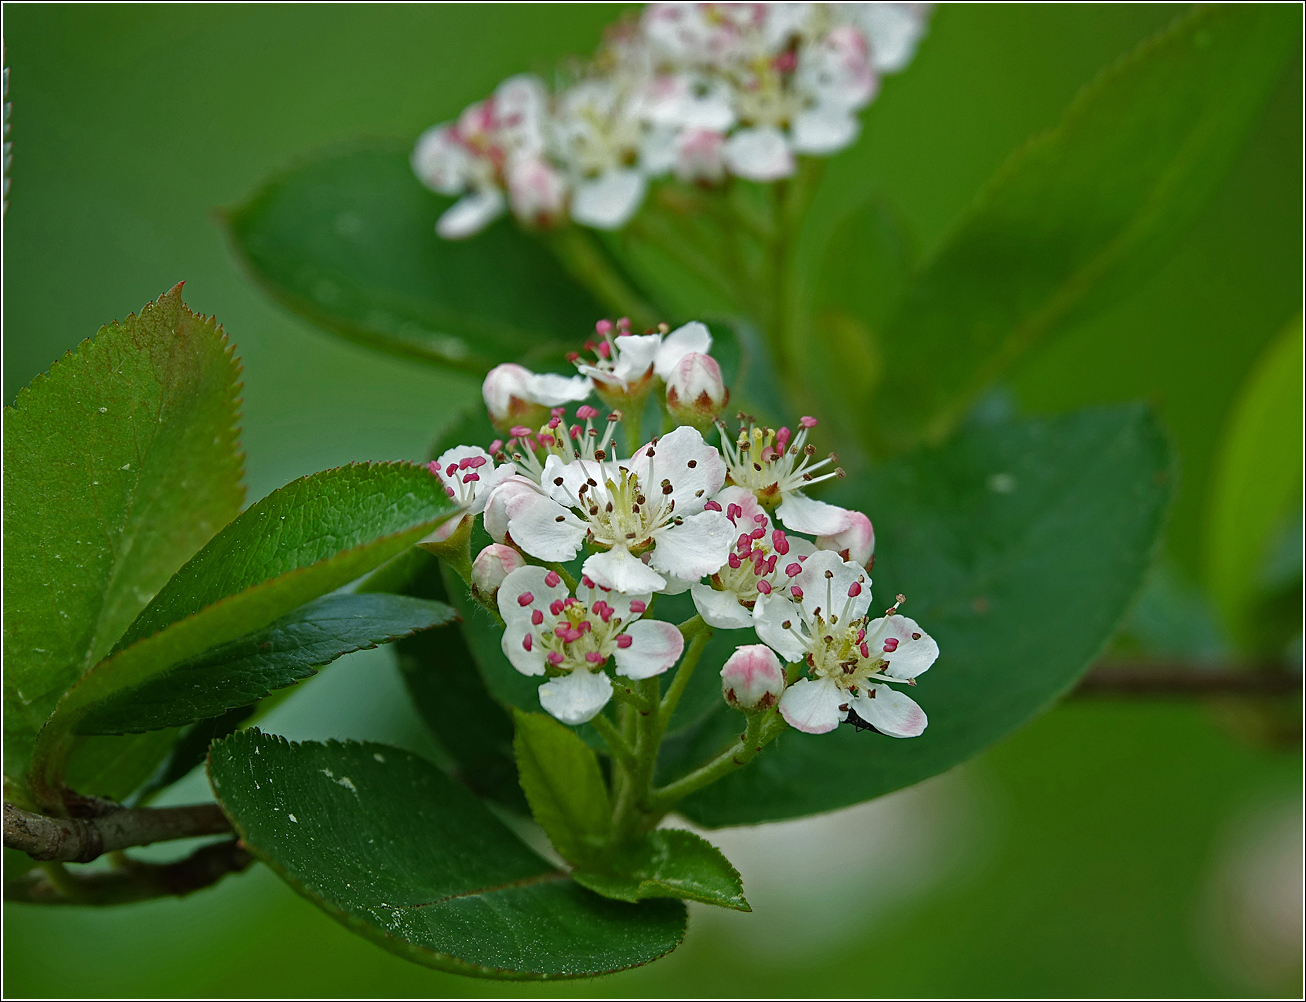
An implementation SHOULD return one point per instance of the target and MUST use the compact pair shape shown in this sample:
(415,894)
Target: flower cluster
(698,90)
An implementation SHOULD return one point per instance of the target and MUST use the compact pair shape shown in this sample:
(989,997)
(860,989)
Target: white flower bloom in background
(516,396)
(822,623)
(762,561)
(570,639)
(596,133)
(777,466)
(653,504)
(469,475)
(893,31)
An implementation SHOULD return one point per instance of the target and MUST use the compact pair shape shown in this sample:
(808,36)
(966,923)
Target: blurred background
(1143,848)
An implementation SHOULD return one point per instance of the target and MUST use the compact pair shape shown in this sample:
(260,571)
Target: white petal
(621,570)
(692,486)
(693,336)
(657,149)
(552,390)
(506,500)
(813,706)
(620,602)
(573,476)
(720,609)
(916,649)
(890,712)
(491,477)
(609,200)
(655,647)
(769,616)
(799,513)
(635,355)
(829,595)
(760,154)
(675,585)
(893,30)
(545,529)
(528,580)
(697,547)
(471,214)
(514,636)
(824,130)
(440,161)
(577,697)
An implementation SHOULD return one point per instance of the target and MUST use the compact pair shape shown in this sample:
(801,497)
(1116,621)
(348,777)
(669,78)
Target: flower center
(621,513)
(757,564)
(773,463)
(461,480)
(581,636)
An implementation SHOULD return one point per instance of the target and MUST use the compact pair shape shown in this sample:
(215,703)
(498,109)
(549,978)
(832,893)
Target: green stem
(761,729)
(620,748)
(588,263)
(698,633)
(628,814)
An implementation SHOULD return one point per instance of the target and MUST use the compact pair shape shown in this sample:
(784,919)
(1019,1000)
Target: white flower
(893,30)
(700,156)
(514,395)
(624,366)
(762,561)
(654,503)
(823,624)
(777,467)
(596,134)
(548,632)
(530,449)
(469,475)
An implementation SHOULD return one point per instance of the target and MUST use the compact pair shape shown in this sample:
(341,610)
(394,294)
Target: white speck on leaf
(104,410)
(293,818)
(1002,483)
(378,756)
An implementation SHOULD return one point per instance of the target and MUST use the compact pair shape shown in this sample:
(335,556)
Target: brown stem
(1187,680)
(133,881)
(82,839)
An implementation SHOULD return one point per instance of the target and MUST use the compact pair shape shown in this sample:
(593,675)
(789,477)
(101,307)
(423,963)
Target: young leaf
(243,671)
(668,863)
(1019,547)
(308,538)
(396,851)
(119,464)
(1081,213)
(347,239)
(561,778)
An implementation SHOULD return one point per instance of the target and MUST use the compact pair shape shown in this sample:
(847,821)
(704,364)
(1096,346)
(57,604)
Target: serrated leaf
(398,852)
(1019,547)
(308,538)
(1080,214)
(347,240)
(243,671)
(561,779)
(119,464)
(669,863)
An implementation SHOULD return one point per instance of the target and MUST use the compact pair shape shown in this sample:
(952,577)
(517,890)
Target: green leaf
(308,538)
(1019,547)
(115,766)
(1257,483)
(669,863)
(561,778)
(347,240)
(243,671)
(1080,214)
(119,464)
(396,851)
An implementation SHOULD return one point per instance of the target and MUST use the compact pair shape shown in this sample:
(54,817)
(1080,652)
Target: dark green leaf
(243,671)
(306,539)
(393,849)
(1019,547)
(114,766)
(347,239)
(1081,214)
(561,778)
(669,863)
(119,464)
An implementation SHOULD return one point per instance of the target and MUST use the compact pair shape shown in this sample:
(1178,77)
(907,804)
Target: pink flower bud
(855,543)
(508,398)
(696,393)
(537,192)
(752,678)
(491,566)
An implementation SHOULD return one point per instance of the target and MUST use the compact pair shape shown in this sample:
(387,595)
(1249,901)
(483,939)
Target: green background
(1108,849)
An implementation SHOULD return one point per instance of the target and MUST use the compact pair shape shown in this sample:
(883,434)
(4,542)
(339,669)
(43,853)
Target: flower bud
(508,398)
(752,678)
(491,566)
(537,192)
(855,543)
(696,393)
(505,502)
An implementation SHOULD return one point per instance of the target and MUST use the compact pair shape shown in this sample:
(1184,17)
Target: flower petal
(827,595)
(812,706)
(655,647)
(545,529)
(822,131)
(609,200)
(769,616)
(695,548)
(514,637)
(799,513)
(889,712)
(693,336)
(505,501)
(471,214)
(695,469)
(720,609)
(528,580)
(621,570)
(759,154)
(577,697)
(552,390)
(635,355)
(915,651)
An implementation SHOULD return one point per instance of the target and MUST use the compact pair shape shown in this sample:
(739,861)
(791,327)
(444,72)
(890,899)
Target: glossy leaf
(308,538)
(669,863)
(347,240)
(1080,214)
(1019,546)
(243,671)
(119,463)
(563,785)
(396,851)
